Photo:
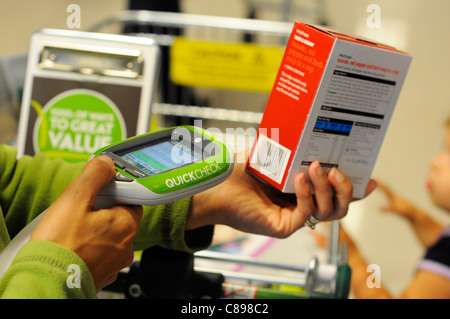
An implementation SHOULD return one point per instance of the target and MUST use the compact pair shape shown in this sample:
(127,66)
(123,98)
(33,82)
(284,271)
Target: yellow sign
(233,66)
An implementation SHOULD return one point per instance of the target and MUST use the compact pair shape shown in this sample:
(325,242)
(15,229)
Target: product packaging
(332,101)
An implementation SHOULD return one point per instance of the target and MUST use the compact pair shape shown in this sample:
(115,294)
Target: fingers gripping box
(332,101)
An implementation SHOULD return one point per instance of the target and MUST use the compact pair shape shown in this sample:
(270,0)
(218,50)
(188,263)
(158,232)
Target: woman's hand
(248,204)
(102,238)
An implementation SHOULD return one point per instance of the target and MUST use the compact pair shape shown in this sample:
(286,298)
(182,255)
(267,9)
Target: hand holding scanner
(152,169)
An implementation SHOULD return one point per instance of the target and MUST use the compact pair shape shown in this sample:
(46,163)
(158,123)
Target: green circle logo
(76,123)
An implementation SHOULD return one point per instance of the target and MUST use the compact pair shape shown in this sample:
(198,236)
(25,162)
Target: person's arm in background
(359,274)
(424,285)
(426,228)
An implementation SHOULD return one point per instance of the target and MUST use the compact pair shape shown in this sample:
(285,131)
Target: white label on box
(270,158)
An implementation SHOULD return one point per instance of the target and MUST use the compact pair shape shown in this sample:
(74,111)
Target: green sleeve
(29,185)
(164,226)
(43,270)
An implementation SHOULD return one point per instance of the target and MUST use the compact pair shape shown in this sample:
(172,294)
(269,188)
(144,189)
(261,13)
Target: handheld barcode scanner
(165,166)
(152,169)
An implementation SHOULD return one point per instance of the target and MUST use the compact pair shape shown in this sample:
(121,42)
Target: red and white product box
(332,101)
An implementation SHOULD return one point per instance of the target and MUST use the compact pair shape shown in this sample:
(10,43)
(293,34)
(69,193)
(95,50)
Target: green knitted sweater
(40,269)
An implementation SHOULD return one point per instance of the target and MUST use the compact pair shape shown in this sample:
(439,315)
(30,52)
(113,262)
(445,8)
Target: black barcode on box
(270,158)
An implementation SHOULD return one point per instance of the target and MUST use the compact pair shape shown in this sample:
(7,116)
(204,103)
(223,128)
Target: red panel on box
(296,84)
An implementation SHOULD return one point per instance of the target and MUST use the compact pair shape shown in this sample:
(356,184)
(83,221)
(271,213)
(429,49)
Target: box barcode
(270,158)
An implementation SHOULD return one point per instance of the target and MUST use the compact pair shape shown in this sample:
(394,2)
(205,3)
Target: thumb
(96,174)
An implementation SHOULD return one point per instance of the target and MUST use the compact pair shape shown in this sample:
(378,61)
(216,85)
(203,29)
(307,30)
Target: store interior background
(417,127)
